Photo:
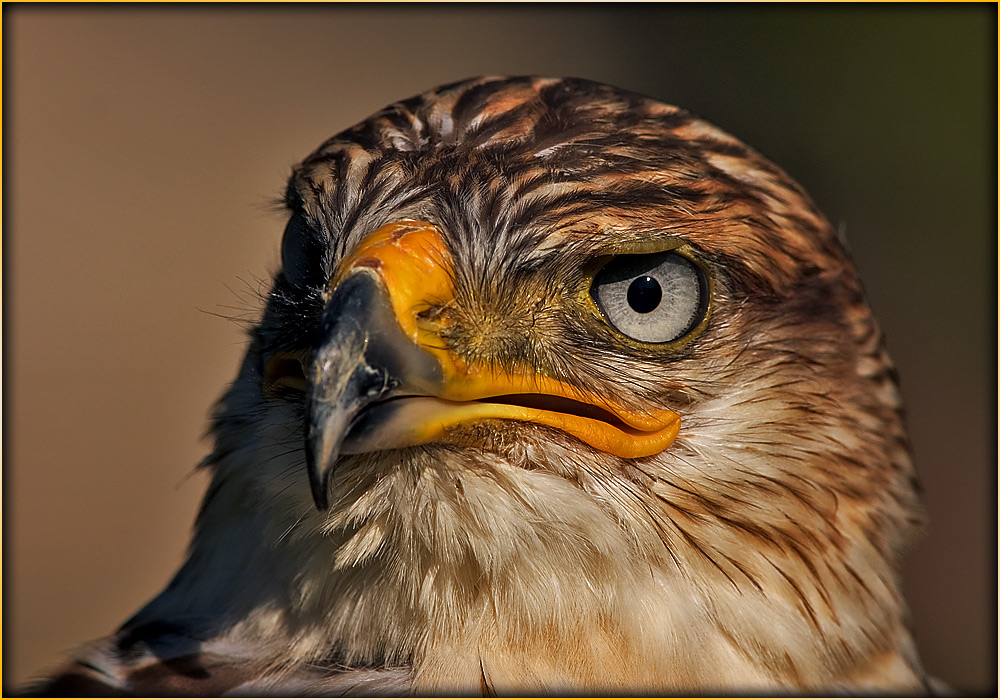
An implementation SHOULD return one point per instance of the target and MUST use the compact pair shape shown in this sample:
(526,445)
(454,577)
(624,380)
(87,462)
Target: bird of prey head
(559,389)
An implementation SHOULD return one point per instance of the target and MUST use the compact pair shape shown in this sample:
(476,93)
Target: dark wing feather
(171,664)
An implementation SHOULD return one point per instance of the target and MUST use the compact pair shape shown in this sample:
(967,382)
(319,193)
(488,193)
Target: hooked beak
(361,359)
(382,376)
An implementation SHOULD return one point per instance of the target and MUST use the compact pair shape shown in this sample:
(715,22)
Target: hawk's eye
(302,252)
(655,298)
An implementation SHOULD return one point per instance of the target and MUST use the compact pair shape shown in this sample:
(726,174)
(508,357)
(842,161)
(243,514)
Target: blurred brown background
(143,147)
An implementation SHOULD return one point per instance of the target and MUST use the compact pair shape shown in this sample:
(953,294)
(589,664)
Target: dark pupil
(644,294)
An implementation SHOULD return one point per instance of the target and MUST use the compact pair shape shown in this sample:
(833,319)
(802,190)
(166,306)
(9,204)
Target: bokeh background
(143,148)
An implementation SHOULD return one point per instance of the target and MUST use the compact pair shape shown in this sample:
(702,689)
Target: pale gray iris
(653,298)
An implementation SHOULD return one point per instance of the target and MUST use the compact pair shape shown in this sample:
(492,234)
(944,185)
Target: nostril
(284,371)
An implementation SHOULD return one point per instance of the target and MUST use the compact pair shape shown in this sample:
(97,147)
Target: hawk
(558,390)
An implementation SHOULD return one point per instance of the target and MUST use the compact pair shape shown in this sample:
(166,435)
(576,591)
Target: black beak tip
(320,498)
(319,482)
